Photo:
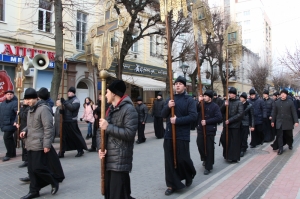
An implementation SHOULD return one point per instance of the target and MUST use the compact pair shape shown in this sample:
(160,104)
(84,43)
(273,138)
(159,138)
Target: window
(2,10)
(158,49)
(80,30)
(45,13)
(231,37)
(152,44)
(134,47)
(247,13)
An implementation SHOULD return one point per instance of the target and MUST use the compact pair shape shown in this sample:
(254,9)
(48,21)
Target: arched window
(82,85)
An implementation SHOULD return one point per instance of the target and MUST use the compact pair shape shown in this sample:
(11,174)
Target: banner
(5,84)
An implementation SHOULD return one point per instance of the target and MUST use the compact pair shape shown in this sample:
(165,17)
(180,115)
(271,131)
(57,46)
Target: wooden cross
(110,26)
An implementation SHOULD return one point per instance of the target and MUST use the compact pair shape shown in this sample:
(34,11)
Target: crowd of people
(264,118)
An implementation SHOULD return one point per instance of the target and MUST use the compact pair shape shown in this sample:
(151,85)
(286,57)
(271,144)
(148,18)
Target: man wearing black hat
(232,149)
(269,133)
(72,137)
(185,114)
(158,105)
(142,111)
(247,122)
(260,113)
(43,94)
(285,115)
(120,127)
(217,100)
(212,117)
(8,113)
(44,167)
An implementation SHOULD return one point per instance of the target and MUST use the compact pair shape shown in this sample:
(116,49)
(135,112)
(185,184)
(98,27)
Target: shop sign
(5,84)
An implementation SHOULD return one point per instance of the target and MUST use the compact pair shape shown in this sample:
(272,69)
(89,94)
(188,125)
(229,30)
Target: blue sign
(99,86)
(15,60)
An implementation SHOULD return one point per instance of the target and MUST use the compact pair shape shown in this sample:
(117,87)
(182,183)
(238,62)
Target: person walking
(285,115)
(232,149)
(247,122)
(142,111)
(44,167)
(57,119)
(8,114)
(88,116)
(212,116)
(268,130)
(185,113)
(120,127)
(72,137)
(158,105)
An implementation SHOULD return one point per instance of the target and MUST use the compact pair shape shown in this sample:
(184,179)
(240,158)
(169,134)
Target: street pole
(227,107)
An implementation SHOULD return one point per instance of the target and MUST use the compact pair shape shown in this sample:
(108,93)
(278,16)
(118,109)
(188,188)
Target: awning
(146,83)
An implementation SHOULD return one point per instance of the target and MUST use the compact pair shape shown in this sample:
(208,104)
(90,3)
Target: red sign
(5,84)
(22,51)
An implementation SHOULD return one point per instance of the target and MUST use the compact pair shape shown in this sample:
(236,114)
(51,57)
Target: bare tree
(280,81)
(258,77)
(291,60)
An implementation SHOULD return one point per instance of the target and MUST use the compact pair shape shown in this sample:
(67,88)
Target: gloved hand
(61,111)
(62,100)
(80,119)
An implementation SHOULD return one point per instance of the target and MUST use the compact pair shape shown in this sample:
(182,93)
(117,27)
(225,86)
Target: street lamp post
(184,67)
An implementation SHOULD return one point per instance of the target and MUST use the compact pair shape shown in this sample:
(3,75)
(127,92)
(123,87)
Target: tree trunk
(193,78)
(57,73)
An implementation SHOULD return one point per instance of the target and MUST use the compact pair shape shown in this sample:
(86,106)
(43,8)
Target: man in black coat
(212,116)
(120,127)
(185,113)
(142,111)
(285,116)
(260,113)
(247,122)
(8,113)
(269,133)
(158,105)
(232,149)
(217,100)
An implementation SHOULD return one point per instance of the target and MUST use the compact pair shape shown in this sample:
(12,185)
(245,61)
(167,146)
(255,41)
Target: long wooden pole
(171,85)
(103,76)
(19,105)
(227,107)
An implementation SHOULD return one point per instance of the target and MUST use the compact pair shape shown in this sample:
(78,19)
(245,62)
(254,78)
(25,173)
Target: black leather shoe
(138,142)
(31,195)
(203,164)
(252,146)
(26,179)
(291,147)
(23,165)
(5,159)
(92,150)
(188,183)
(206,172)
(280,151)
(169,191)
(79,154)
(87,137)
(242,154)
(61,155)
(54,188)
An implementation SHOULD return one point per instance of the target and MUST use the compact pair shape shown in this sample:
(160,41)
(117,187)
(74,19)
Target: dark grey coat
(142,111)
(248,116)
(8,113)
(284,114)
(71,109)
(235,113)
(158,105)
(122,126)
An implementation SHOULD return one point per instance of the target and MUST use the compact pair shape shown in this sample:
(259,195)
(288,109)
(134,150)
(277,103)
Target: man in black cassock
(269,133)
(212,116)
(72,137)
(158,105)
(44,167)
(235,107)
(142,111)
(285,115)
(185,114)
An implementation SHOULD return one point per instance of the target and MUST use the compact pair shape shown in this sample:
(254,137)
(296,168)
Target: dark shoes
(5,159)
(242,154)
(291,147)
(280,151)
(23,165)
(31,195)
(92,150)
(169,191)
(206,172)
(188,183)
(61,155)
(54,188)
(203,164)
(79,154)
(252,146)
(26,179)
(139,142)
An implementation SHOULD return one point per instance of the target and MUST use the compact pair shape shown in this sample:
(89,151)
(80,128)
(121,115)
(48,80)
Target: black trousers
(268,131)
(257,136)
(159,127)
(244,138)
(44,169)
(185,168)
(9,142)
(288,136)
(209,158)
(94,136)
(141,132)
(117,185)
(234,144)
(24,151)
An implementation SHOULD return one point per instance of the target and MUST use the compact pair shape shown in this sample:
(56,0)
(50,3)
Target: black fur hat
(118,87)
